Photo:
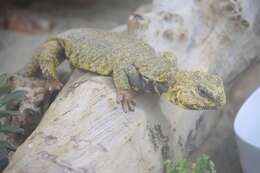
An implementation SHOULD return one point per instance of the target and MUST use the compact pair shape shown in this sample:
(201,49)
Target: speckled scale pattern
(131,62)
(107,48)
(104,53)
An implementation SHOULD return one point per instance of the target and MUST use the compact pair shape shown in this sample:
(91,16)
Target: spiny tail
(45,59)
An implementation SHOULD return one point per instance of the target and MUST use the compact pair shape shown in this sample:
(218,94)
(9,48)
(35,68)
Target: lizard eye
(202,91)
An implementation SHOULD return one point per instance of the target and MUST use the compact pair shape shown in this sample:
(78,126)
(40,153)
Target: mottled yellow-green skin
(132,63)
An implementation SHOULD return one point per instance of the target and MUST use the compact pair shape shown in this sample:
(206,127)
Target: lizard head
(196,90)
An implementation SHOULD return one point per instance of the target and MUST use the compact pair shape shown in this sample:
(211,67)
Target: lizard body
(133,65)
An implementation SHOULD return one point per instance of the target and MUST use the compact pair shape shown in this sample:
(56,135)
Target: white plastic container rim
(247,122)
(247,129)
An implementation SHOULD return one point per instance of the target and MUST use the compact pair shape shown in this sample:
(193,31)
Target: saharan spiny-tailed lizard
(133,65)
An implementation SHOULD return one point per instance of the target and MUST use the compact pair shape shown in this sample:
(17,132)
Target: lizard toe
(126,99)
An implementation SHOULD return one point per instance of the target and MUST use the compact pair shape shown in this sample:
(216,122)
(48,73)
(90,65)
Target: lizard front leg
(123,89)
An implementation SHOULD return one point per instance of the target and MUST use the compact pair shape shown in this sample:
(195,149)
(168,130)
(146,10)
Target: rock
(25,22)
(85,131)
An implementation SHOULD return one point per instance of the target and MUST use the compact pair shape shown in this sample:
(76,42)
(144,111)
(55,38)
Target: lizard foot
(125,97)
(54,85)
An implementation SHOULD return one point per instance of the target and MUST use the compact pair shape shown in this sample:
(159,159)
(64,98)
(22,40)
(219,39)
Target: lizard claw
(54,85)
(126,99)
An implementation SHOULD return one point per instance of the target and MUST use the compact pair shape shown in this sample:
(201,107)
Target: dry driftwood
(84,130)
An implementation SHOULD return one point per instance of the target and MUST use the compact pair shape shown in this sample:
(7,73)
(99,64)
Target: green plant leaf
(169,166)
(10,129)
(204,165)
(5,89)
(180,166)
(7,145)
(5,148)
(5,85)
(3,153)
(8,113)
(3,162)
(14,96)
